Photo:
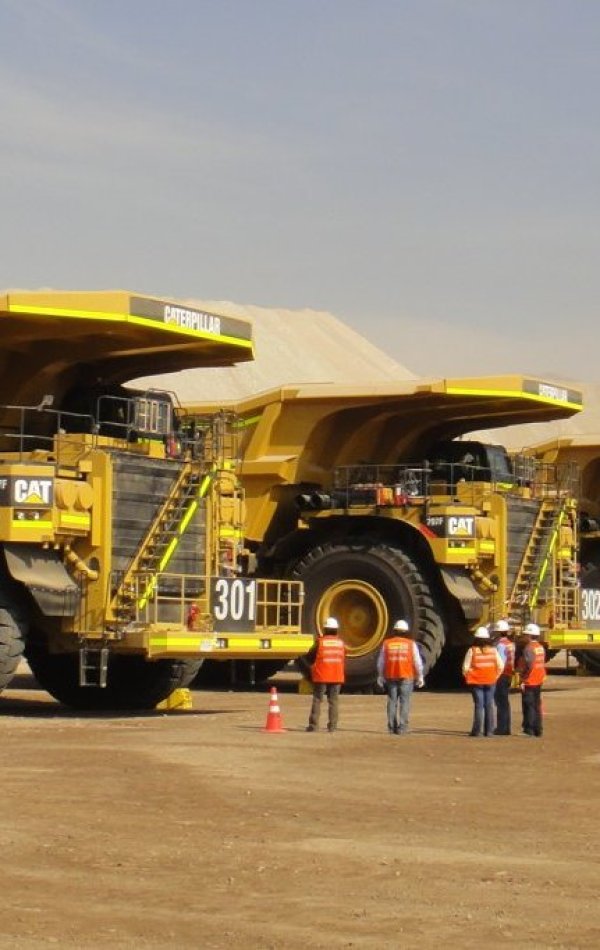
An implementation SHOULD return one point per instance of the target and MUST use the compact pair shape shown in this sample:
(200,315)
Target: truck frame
(122,515)
(382,505)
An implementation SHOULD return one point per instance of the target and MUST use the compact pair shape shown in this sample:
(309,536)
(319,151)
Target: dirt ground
(197,829)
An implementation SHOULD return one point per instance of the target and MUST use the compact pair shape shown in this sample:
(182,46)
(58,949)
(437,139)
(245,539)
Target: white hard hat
(482,633)
(532,630)
(402,626)
(502,626)
(331,624)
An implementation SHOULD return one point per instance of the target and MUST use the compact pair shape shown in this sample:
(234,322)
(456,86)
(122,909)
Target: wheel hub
(361,612)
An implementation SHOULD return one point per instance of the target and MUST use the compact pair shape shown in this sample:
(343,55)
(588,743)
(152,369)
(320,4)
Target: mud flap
(462,587)
(45,577)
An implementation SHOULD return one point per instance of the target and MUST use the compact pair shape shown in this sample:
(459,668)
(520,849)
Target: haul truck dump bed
(121,516)
(379,502)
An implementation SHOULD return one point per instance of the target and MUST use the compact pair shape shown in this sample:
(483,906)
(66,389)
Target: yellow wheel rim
(360,611)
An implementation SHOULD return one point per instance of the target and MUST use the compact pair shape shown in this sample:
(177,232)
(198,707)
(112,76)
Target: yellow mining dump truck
(375,499)
(583,451)
(121,516)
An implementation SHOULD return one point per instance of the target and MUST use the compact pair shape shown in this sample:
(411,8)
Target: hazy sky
(426,170)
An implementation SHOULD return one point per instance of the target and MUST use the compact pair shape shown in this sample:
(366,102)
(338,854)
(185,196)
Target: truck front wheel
(132,681)
(366,588)
(12,643)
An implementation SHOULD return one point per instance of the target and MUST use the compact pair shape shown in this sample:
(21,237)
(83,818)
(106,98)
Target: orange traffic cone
(274,722)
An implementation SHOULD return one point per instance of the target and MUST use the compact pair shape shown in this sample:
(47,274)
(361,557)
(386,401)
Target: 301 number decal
(590,604)
(233,603)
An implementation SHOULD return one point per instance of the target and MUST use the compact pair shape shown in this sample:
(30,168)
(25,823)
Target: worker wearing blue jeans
(481,668)
(398,666)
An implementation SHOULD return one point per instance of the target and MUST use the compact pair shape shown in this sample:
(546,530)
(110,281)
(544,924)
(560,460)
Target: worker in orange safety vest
(531,667)
(481,668)
(399,666)
(328,659)
(505,646)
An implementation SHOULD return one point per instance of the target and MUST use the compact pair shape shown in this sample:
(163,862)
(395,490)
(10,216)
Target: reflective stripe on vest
(484,668)
(537,674)
(329,661)
(509,662)
(398,659)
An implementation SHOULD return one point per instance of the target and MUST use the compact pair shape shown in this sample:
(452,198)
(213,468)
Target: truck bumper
(572,639)
(270,645)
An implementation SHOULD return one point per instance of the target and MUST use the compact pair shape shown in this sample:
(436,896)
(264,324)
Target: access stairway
(534,575)
(160,542)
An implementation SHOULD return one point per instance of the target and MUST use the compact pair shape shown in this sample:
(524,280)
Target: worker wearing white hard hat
(399,666)
(327,660)
(481,668)
(505,646)
(531,667)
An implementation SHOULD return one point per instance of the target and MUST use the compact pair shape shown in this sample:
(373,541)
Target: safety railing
(393,485)
(213,437)
(25,429)
(547,479)
(411,483)
(244,604)
(279,604)
(148,417)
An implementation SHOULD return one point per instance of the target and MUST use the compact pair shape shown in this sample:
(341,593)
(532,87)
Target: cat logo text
(32,491)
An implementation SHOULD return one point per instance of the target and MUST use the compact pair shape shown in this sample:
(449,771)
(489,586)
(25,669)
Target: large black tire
(13,631)
(12,643)
(132,681)
(367,587)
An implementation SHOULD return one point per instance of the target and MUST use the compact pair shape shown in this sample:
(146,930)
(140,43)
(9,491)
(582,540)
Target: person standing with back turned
(531,667)
(481,668)
(328,658)
(506,648)
(398,666)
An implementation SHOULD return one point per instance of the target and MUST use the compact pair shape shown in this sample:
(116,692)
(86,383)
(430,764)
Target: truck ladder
(567,593)
(93,664)
(161,540)
(227,525)
(536,561)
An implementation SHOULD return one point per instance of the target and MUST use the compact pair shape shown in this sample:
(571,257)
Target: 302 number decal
(234,602)
(590,603)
